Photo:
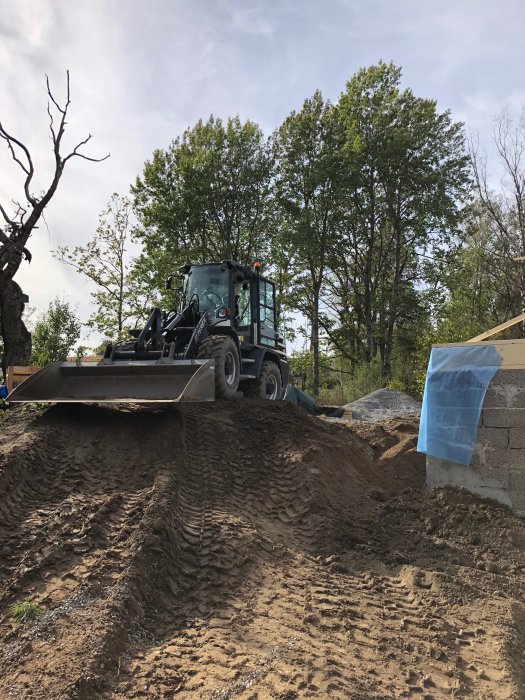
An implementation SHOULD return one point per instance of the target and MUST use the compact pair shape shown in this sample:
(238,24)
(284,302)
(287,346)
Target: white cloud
(251,20)
(142,72)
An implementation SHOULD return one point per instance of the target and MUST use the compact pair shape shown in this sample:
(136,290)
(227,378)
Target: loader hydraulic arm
(152,331)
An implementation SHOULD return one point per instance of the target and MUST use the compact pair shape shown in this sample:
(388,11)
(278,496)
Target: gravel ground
(384,404)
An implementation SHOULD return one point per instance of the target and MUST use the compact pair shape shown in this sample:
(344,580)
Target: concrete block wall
(497,468)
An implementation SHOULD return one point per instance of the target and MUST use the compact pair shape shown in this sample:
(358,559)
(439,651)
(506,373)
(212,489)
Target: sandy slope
(248,551)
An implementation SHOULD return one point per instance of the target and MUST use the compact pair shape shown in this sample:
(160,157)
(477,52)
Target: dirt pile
(247,551)
(384,404)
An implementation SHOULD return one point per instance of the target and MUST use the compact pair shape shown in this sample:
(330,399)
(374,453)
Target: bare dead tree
(506,208)
(18,225)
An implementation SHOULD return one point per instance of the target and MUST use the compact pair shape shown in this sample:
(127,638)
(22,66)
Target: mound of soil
(247,550)
(384,404)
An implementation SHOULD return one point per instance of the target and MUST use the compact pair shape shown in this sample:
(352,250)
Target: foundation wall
(497,468)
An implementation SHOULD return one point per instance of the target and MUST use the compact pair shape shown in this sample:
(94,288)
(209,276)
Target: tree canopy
(205,198)
(55,334)
(346,203)
(374,219)
(121,299)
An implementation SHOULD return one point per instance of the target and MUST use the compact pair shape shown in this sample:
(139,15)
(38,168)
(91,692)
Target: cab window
(243,312)
(267,303)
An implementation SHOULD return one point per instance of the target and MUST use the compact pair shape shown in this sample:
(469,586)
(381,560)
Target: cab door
(266,331)
(243,305)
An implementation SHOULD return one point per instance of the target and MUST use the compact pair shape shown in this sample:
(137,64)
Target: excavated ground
(247,551)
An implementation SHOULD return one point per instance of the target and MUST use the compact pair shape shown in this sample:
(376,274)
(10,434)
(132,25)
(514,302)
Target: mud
(247,551)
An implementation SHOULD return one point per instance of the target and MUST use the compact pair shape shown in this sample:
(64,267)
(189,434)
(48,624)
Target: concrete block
(503,418)
(517,480)
(511,459)
(497,457)
(497,468)
(516,491)
(490,477)
(495,397)
(505,396)
(516,437)
(491,485)
(509,377)
(494,437)
(517,501)
(441,472)
(482,455)
(515,396)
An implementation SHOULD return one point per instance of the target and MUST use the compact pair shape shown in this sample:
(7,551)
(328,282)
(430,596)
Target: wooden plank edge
(498,329)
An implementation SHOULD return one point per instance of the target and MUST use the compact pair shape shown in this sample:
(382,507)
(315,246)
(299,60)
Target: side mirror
(169,282)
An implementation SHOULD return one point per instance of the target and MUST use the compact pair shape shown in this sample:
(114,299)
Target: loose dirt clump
(247,550)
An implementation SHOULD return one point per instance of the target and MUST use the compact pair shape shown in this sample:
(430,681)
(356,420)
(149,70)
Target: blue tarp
(455,387)
(300,398)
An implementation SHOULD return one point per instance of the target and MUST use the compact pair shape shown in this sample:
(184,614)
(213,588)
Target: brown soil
(247,551)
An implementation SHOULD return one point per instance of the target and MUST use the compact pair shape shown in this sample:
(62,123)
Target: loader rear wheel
(268,385)
(223,350)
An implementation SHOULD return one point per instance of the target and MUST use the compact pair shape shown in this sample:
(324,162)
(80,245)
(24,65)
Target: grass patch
(32,406)
(24,611)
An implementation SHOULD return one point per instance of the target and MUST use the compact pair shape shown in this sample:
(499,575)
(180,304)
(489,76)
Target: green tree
(55,333)
(407,175)
(308,193)
(121,298)
(481,285)
(205,198)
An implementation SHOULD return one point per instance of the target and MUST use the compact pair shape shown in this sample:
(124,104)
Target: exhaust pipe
(119,381)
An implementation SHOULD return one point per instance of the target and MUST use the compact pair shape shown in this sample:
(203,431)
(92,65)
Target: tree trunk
(16,337)
(386,365)
(368,296)
(394,296)
(315,341)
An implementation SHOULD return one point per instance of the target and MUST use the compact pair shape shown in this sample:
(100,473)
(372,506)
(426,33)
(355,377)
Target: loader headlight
(224,312)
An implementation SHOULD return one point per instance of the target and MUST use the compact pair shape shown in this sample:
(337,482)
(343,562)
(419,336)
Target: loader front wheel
(268,385)
(223,350)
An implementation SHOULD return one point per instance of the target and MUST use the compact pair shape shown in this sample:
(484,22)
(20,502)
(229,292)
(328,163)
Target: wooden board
(17,373)
(498,329)
(512,352)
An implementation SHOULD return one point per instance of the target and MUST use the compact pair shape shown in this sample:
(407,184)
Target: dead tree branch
(19,225)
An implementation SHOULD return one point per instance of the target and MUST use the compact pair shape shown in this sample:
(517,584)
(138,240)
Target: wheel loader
(220,341)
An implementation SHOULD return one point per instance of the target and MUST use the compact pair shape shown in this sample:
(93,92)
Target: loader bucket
(119,381)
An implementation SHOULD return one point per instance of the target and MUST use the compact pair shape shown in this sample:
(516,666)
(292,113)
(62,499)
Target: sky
(141,72)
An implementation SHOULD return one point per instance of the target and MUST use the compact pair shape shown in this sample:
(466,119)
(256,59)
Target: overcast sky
(142,71)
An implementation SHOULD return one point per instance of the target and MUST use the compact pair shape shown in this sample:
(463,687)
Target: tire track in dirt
(100,483)
(248,551)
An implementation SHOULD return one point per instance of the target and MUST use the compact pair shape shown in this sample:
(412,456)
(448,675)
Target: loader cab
(209,286)
(236,296)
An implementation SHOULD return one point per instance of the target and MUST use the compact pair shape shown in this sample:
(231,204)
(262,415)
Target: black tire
(223,350)
(268,385)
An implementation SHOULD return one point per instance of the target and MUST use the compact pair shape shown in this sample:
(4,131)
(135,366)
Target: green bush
(364,379)
(55,334)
